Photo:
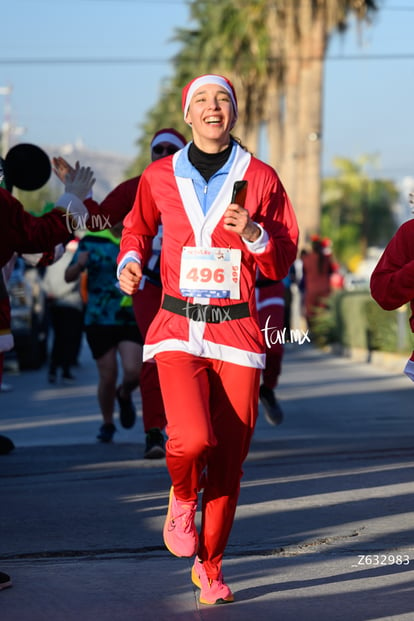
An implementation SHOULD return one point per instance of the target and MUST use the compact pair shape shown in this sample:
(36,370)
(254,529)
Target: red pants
(146,303)
(211,409)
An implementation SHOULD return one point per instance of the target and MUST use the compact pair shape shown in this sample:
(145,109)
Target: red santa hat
(209,78)
(169,135)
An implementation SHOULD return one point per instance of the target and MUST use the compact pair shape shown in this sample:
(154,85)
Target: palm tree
(231,39)
(357,208)
(273,51)
(308,26)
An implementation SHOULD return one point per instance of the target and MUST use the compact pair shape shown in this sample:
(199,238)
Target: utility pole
(6,125)
(8,130)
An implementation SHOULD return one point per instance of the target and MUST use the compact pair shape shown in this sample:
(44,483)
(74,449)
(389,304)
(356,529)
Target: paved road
(324,528)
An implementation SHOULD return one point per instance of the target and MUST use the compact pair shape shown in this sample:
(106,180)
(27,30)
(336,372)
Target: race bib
(210,272)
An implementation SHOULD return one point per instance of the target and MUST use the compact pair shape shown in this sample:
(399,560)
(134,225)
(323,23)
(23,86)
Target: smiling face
(211,116)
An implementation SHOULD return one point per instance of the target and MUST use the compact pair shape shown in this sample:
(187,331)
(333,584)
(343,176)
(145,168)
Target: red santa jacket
(23,233)
(114,207)
(113,210)
(164,197)
(392,281)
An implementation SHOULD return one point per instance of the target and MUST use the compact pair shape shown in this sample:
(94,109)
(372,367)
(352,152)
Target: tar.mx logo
(77,222)
(274,335)
(211,314)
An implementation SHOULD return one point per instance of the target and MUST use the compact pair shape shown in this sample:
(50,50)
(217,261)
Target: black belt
(209,313)
(265,282)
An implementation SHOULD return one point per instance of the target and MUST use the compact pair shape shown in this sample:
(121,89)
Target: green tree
(273,51)
(206,49)
(37,201)
(232,38)
(308,26)
(357,209)
(166,113)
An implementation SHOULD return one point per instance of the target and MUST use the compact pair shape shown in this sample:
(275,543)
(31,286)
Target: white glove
(80,182)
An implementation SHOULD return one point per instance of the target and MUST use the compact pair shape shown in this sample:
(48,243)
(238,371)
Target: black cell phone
(239,192)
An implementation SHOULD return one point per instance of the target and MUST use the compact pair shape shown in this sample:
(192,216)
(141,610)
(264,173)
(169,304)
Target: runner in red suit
(318,268)
(206,338)
(392,281)
(147,299)
(27,167)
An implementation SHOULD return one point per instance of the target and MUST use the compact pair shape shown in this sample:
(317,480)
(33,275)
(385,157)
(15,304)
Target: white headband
(209,79)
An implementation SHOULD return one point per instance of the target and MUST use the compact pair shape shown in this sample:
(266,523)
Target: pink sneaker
(180,533)
(212,591)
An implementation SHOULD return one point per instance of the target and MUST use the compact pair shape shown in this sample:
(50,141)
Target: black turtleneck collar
(208,163)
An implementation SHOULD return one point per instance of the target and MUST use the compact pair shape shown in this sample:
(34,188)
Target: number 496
(205,274)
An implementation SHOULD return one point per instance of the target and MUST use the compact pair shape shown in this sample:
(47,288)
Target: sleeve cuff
(130,256)
(73,207)
(260,243)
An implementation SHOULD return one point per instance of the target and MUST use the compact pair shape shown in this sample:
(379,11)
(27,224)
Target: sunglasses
(158,149)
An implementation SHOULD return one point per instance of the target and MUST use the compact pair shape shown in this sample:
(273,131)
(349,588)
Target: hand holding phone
(239,192)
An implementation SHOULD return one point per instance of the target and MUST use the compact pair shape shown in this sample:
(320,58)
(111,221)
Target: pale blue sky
(368,100)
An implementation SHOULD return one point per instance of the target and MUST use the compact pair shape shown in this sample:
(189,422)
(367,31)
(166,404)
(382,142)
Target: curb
(390,361)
